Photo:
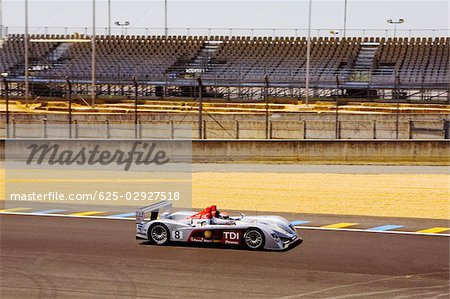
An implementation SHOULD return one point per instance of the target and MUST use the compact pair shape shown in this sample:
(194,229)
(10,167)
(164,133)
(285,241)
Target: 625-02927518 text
(97,195)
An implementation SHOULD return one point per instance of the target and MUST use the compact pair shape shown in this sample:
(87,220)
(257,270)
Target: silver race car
(157,224)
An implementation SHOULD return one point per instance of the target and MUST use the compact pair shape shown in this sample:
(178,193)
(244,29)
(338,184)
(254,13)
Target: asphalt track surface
(54,257)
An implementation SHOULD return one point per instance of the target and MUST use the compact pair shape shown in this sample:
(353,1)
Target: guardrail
(196,31)
(222,73)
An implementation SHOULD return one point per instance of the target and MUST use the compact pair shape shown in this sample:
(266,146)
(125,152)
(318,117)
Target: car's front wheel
(254,239)
(158,234)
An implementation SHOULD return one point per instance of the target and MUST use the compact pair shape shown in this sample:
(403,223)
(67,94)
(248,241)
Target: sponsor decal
(197,239)
(231,237)
(208,234)
(216,236)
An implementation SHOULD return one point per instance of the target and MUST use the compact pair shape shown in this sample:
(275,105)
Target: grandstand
(362,67)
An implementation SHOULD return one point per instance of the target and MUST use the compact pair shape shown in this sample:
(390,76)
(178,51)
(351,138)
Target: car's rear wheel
(158,234)
(254,239)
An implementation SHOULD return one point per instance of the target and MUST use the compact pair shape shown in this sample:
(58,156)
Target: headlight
(276,238)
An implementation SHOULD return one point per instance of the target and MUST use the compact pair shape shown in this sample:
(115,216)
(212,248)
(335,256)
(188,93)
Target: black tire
(158,234)
(254,239)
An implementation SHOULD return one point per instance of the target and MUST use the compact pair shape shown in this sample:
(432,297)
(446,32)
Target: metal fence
(243,86)
(233,129)
(252,32)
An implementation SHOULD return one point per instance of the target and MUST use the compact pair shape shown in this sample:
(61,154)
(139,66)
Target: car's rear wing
(154,209)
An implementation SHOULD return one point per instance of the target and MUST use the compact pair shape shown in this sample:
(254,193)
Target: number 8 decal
(177,235)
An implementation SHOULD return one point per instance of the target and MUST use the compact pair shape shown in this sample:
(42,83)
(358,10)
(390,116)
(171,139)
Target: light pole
(165,19)
(5,82)
(337,128)
(109,17)
(308,53)
(27,85)
(397,112)
(266,99)
(1,19)
(345,19)
(135,107)
(395,23)
(93,83)
(122,25)
(200,108)
(69,96)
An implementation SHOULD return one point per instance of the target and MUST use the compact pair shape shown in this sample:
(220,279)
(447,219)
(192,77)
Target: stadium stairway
(364,62)
(202,63)
(365,56)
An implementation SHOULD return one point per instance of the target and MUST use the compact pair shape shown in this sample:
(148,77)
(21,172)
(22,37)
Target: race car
(157,224)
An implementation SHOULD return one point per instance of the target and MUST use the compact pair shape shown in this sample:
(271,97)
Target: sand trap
(391,195)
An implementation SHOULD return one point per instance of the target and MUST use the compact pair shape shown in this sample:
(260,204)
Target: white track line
(372,231)
(298,227)
(65,216)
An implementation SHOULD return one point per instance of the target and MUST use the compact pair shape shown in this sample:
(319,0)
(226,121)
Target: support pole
(93,81)
(1,19)
(5,82)
(69,96)
(109,17)
(27,83)
(397,113)
(135,107)
(266,99)
(344,34)
(166,30)
(200,108)
(308,53)
(446,129)
(338,129)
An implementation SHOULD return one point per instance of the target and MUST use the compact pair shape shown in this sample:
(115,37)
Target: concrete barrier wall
(309,151)
(238,129)
(252,126)
(324,151)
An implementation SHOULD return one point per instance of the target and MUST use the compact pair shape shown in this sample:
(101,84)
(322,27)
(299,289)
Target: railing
(242,74)
(387,129)
(273,32)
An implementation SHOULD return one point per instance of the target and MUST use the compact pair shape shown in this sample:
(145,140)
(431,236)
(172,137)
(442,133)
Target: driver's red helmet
(214,211)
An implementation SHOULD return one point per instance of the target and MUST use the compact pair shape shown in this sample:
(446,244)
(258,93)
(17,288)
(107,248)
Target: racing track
(49,257)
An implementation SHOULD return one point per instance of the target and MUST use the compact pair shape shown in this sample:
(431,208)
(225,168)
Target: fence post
(446,129)
(410,128)
(204,130)
(375,129)
(237,129)
(107,129)
(304,130)
(338,129)
(171,130)
(75,122)
(44,120)
(139,129)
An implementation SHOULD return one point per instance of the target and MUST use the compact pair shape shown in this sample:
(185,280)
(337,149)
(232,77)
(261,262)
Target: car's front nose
(140,231)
